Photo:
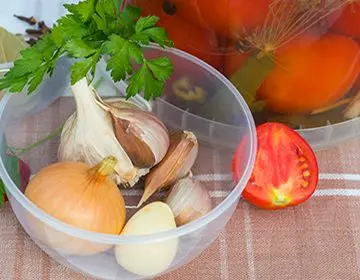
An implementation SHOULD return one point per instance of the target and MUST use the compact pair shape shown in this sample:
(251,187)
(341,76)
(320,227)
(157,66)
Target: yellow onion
(79,195)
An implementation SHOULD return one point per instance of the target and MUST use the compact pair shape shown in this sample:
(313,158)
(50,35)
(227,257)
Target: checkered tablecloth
(319,240)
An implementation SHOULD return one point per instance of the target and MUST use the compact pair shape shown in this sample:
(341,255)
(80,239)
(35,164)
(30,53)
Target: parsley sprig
(90,31)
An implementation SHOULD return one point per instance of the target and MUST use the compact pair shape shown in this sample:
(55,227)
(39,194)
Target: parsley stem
(20,151)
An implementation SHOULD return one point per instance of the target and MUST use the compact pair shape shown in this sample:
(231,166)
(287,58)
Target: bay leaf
(10,46)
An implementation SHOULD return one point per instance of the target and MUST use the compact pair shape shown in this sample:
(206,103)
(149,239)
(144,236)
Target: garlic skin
(176,164)
(189,200)
(142,135)
(88,136)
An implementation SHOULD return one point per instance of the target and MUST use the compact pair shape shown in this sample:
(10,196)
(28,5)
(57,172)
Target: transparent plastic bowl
(92,253)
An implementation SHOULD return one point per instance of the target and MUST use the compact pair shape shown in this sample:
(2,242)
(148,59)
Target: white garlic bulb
(89,135)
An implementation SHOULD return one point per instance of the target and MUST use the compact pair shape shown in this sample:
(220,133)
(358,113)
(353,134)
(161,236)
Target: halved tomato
(285,172)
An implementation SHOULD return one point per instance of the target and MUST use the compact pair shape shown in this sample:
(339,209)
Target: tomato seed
(304,184)
(306,173)
(302,159)
(304,166)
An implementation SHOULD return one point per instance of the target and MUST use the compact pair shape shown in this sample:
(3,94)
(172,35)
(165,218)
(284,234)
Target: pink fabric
(319,240)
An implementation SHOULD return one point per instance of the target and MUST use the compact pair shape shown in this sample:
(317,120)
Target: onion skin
(80,196)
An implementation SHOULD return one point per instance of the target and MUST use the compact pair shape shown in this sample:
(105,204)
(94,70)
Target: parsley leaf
(161,68)
(145,79)
(154,34)
(145,22)
(78,48)
(31,68)
(81,68)
(83,9)
(118,4)
(130,14)
(94,30)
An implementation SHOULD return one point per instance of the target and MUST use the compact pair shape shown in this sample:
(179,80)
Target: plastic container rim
(175,233)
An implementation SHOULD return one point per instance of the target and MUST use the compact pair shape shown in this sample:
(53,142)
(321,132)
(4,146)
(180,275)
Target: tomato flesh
(285,172)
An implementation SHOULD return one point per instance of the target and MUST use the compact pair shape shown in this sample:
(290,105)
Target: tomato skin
(314,72)
(285,172)
(225,17)
(186,37)
(348,22)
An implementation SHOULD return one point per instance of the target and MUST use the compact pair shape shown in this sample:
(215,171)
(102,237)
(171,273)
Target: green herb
(94,29)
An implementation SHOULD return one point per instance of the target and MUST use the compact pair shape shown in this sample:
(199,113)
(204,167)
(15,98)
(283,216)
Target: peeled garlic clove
(142,135)
(88,136)
(148,258)
(177,163)
(189,200)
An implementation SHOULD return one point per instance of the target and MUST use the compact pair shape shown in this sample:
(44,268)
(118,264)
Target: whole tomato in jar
(228,18)
(310,72)
(187,37)
(347,20)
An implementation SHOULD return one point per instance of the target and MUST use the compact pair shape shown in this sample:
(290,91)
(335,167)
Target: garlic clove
(148,258)
(189,200)
(143,136)
(139,152)
(176,164)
